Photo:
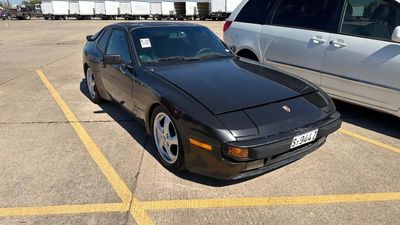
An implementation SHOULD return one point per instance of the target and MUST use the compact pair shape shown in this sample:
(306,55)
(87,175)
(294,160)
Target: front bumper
(272,153)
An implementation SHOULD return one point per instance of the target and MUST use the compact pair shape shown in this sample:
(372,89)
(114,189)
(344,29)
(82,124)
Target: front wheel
(167,141)
(92,87)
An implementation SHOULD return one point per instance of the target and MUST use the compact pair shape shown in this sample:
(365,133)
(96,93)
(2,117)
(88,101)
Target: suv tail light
(227,24)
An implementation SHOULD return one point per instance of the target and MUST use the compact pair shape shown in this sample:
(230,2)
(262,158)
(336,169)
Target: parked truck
(55,9)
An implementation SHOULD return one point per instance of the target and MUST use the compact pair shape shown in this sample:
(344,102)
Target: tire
(94,95)
(167,141)
(27,17)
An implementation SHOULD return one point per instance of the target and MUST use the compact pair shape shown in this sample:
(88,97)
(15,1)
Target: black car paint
(217,101)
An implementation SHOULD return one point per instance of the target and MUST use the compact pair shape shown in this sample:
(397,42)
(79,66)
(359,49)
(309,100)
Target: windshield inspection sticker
(145,42)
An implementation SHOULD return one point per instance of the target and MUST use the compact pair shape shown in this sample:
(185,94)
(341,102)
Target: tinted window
(255,11)
(156,44)
(370,18)
(101,44)
(118,45)
(309,14)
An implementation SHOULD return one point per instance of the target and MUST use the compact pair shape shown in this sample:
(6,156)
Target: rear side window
(101,44)
(255,11)
(370,18)
(309,14)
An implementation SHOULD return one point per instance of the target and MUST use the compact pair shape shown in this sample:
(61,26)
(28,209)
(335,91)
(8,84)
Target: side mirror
(89,38)
(112,59)
(396,34)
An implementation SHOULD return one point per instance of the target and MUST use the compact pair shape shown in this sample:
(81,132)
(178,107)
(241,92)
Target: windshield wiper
(178,58)
(214,55)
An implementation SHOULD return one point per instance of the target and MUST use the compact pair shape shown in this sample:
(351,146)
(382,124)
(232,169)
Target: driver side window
(118,45)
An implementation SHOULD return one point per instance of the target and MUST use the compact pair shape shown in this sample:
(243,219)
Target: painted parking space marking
(271,201)
(106,168)
(64,209)
(369,140)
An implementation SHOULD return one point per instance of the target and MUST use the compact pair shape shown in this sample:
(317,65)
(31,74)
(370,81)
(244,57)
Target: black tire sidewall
(179,164)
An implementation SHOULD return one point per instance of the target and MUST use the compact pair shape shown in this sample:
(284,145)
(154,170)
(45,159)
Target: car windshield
(158,44)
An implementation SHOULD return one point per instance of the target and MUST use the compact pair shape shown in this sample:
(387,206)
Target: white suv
(351,48)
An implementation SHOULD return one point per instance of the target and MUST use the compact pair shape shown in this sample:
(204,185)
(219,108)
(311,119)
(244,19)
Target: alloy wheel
(166,138)
(91,83)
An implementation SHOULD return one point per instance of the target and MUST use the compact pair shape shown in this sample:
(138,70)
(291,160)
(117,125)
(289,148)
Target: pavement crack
(57,60)
(131,202)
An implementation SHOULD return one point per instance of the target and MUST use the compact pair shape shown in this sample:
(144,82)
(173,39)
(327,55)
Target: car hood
(226,85)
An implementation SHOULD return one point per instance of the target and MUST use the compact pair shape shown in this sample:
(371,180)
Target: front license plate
(304,138)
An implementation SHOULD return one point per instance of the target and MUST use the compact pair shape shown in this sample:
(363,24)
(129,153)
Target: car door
(362,63)
(296,36)
(117,79)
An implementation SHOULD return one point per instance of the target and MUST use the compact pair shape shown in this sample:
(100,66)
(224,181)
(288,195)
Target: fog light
(238,152)
(255,164)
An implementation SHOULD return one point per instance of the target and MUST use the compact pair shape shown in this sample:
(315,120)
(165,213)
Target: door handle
(318,40)
(338,43)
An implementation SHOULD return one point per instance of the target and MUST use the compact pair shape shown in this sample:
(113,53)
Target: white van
(351,48)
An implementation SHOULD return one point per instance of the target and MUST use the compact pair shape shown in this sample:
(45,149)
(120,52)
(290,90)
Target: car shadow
(379,122)
(135,127)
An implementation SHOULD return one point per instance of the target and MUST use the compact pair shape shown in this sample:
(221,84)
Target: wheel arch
(248,54)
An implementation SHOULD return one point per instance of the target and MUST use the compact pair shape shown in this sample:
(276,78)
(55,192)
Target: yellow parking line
(272,201)
(112,176)
(369,140)
(64,209)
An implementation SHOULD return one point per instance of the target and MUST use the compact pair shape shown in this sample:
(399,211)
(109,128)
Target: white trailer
(155,9)
(168,9)
(99,8)
(112,8)
(125,8)
(55,9)
(191,9)
(141,8)
(106,9)
(221,9)
(47,8)
(73,8)
(86,9)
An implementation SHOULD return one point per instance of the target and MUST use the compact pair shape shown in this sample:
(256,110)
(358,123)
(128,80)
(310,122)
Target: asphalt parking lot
(65,160)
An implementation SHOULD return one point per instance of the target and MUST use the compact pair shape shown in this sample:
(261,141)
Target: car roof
(136,25)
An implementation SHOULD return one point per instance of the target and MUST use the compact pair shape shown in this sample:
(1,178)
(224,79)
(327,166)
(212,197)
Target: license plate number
(304,138)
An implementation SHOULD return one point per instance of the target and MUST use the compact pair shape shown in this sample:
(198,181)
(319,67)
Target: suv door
(361,62)
(297,36)
(117,79)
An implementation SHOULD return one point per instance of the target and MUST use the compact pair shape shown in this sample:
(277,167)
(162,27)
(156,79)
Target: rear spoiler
(89,38)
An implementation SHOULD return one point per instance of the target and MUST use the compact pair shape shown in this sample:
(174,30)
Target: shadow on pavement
(135,127)
(382,123)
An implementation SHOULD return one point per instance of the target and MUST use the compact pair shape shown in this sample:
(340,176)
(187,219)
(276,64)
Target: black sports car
(207,110)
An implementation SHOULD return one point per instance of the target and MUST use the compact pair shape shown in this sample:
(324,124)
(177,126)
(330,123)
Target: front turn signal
(238,152)
(200,144)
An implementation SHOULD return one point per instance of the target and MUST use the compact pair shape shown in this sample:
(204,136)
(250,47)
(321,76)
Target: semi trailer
(107,9)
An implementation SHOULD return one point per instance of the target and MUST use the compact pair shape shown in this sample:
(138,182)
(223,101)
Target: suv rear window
(255,11)
(309,14)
